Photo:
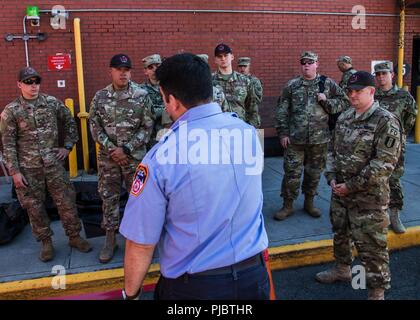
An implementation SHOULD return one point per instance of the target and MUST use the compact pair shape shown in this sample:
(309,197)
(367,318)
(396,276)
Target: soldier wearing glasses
(302,126)
(29,128)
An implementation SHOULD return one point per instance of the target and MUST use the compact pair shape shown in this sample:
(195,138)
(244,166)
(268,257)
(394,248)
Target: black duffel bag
(13,219)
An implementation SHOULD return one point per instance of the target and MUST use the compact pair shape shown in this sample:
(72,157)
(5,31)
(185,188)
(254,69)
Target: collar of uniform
(40,101)
(110,89)
(199,112)
(151,85)
(367,113)
(310,82)
(233,77)
(391,91)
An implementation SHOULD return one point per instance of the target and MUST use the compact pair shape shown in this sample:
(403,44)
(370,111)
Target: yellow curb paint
(283,257)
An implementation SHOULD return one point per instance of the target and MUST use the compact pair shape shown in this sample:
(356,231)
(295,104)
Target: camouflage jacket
(30,132)
(345,78)
(365,152)
(240,95)
(121,119)
(400,103)
(258,89)
(300,117)
(218,96)
(157,109)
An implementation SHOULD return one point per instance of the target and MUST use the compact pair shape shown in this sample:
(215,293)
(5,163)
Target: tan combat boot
(396,224)
(47,250)
(109,248)
(80,244)
(376,294)
(340,272)
(286,211)
(309,207)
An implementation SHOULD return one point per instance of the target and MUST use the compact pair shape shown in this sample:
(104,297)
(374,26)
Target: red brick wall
(274,41)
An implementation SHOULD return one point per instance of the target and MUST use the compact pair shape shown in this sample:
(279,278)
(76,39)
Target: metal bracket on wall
(40,36)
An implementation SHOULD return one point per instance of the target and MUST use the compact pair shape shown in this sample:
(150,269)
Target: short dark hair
(187,77)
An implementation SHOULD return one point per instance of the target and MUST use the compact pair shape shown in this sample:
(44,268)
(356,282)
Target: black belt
(239,266)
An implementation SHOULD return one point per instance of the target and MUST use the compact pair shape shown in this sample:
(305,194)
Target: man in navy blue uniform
(197,195)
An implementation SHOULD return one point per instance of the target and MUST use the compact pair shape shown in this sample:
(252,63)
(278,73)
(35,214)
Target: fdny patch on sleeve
(140,179)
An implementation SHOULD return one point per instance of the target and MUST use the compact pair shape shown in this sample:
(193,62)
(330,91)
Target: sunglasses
(32,81)
(307,62)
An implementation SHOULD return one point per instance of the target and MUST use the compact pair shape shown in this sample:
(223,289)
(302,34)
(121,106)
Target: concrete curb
(284,257)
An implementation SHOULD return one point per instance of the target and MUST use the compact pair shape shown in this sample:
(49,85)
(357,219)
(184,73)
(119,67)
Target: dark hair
(186,77)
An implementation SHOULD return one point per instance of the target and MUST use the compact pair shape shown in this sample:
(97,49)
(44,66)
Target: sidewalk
(298,240)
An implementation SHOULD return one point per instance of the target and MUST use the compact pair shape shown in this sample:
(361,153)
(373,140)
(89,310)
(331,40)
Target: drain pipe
(25,39)
(83,115)
(401,45)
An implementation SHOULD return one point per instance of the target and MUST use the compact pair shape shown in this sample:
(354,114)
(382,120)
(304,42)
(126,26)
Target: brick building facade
(272,32)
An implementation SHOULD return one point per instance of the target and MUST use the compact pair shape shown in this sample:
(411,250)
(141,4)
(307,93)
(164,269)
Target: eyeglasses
(307,62)
(32,81)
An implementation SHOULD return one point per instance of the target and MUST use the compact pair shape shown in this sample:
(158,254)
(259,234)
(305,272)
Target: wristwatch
(134,297)
(68,147)
(126,150)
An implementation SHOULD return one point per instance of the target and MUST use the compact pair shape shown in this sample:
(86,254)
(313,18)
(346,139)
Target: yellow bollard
(401,47)
(83,115)
(73,153)
(417,131)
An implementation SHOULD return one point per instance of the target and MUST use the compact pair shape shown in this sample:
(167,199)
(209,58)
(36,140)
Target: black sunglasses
(32,81)
(307,62)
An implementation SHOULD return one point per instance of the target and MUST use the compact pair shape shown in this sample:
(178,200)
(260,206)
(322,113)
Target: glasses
(32,81)
(307,62)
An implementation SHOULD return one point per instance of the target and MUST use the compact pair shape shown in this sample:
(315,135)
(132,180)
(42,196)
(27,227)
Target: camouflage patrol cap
(204,57)
(384,66)
(152,59)
(309,55)
(360,80)
(222,48)
(345,59)
(244,61)
(27,73)
(120,60)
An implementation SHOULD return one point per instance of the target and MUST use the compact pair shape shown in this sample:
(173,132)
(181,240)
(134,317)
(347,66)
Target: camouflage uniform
(30,136)
(158,108)
(345,78)
(301,118)
(240,95)
(403,106)
(365,151)
(117,119)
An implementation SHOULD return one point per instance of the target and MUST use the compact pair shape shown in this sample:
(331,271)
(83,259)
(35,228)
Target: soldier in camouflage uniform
(344,63)
(302,125)
(240,94)
(218,96)
(29,129)
(121,123)
(403,106)
(366,147)
(151,85)
(244,67)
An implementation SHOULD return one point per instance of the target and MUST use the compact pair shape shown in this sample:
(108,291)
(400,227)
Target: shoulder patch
(140,179)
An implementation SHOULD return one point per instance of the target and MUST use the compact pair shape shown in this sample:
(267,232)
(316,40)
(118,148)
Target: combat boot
(340,272)
(109,248)
(47,250)
(309,207)
(396,224)
(80,244)
(286,211)
(376,294)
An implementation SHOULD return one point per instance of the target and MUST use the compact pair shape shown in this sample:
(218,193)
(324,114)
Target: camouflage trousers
(367,229)
(396,191)
(110,179)
(311,157)
(32,198)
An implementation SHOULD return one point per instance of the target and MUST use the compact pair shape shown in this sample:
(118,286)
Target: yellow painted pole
(73,153)
(97,157)
(417,131)
(83,115)
(401,46)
